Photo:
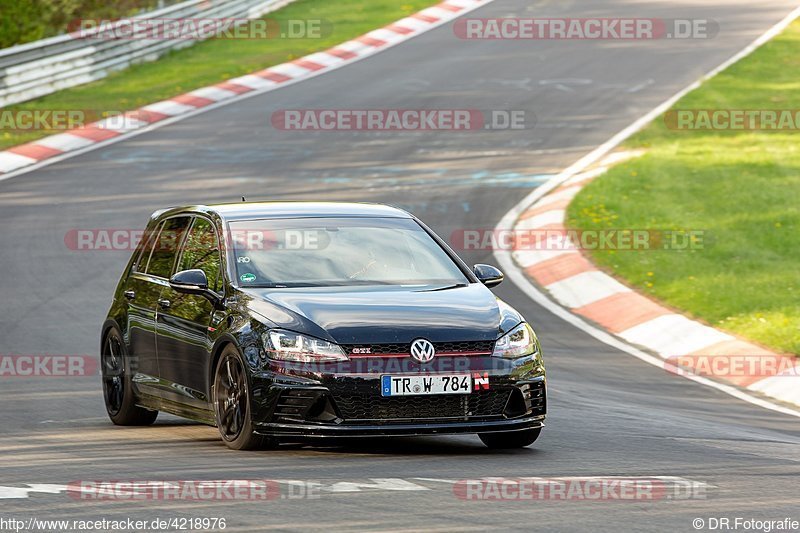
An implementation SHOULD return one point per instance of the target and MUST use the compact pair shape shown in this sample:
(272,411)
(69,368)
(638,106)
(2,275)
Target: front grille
(405,348)
(372,407)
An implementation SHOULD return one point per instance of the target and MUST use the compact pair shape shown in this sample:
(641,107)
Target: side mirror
(488,275)
(192,281)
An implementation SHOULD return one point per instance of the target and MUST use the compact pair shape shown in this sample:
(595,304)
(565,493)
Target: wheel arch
(219,346)
(108,325)
(245,338)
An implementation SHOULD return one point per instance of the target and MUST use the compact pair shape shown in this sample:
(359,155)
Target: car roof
(258,210)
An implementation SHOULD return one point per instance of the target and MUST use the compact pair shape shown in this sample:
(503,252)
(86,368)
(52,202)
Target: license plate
(422,385)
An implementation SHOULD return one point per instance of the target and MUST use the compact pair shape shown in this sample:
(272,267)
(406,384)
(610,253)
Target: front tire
(117,390)
(231,393)
(510,439)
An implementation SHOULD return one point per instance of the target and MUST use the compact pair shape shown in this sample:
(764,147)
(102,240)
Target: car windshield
(315,252)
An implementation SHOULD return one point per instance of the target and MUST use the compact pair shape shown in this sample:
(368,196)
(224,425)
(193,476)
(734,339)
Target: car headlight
(519,342)
(289,346)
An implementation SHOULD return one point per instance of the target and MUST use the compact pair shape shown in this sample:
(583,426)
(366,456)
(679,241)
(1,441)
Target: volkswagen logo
(422,351)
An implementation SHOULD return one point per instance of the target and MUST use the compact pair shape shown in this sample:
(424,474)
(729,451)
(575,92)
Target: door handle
(164,303)
(129,294)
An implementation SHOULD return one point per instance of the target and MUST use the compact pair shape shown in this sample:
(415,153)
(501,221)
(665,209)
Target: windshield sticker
(248,278)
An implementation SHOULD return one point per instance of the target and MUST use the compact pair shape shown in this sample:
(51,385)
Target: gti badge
(422,351)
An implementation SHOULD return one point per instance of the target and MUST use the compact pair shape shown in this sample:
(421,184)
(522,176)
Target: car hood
(386,314)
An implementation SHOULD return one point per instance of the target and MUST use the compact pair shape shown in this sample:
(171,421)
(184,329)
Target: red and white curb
(25,157)
(575,283)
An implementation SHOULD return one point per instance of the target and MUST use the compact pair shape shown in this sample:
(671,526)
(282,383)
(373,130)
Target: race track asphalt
(609,414)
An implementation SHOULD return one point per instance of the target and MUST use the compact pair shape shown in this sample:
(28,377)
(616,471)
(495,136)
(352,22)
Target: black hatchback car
(283,321)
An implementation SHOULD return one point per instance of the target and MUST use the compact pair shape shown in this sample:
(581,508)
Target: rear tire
(510,439)
(117,390)
(231,394)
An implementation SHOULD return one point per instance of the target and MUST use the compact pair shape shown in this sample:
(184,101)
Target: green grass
(741,188)
(213,61)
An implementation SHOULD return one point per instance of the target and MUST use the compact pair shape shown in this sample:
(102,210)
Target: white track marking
(24,492)
(10,161)
(213,93)
(168,107)
(554,216)
(566,194)
(528,258)
(323,58)
(670,335)
(290,70)
(388,36)
(783,386)
(65,142)
(254,82)
(585,288)
(119,123)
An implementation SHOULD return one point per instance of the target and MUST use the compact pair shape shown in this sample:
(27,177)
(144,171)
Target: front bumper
(398,429)
(323,405)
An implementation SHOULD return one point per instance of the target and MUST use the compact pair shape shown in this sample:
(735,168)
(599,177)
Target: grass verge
(216,60)
(740,188)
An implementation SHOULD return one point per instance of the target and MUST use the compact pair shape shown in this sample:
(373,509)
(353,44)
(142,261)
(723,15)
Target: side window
(201,250)
(163,256)
(146,248)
